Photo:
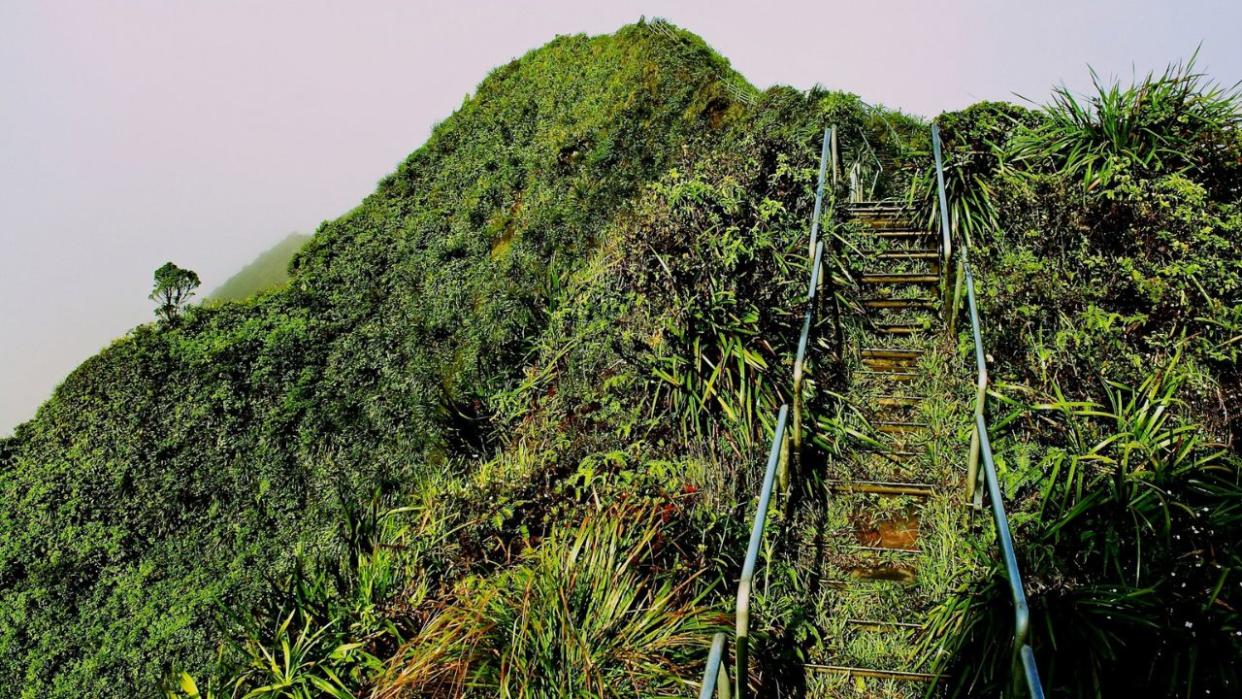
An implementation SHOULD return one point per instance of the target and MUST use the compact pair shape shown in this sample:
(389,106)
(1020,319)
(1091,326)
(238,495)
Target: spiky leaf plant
(1164,123)
(590,612)
(1130,554)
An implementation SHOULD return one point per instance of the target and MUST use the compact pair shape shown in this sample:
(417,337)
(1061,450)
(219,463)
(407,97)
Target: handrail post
(973,493)
(746,582)
(946,253)
(1022,654)
(836,160)
(808,318)
(816,255)
(715,675)
(819,191)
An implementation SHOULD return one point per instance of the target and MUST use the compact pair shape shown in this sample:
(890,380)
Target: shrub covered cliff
(489,344)
(526,385)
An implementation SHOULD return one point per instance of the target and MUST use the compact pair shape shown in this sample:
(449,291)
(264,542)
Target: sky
(136,132)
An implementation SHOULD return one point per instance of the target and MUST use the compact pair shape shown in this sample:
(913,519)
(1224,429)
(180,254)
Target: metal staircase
(894,517)
(875,557)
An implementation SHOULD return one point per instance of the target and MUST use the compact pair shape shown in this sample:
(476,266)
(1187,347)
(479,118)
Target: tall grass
(590,612)
(1129,537)
(1163,123)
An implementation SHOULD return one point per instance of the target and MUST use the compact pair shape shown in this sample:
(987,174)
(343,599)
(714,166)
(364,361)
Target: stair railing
(715,679)
(946,249)
(981,451)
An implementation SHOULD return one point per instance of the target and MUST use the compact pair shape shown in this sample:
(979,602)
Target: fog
(136,132)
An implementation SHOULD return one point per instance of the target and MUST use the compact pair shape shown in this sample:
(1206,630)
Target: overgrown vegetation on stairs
(505,426)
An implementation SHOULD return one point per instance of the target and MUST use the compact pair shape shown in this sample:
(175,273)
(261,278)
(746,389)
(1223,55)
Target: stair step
(895,427)
(898,401)
(877,625)
(880,210)
(885,302)
(885,364)
(875,211)
(901,328)
(899,573)
(890,375)
(884,549)
(883,488)
(872,673)
(892,531)
(909,255)
(891,353)
(899,278)
(899,233)
(879,203)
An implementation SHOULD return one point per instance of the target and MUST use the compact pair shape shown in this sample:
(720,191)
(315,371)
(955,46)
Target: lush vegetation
(517,331)
(174,287)
(1105,233)
(268,271)
(500,432)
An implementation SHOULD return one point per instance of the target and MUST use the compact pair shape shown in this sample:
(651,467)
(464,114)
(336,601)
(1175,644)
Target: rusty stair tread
(898,233)
(872,673)
(901,328)
(898,573)
(899,400)
(908,254)
(882,487)
(891,352)
(882,364)
(890,375)
(885,549)
(881,625)
(894,455)
(899,278)
(928,304)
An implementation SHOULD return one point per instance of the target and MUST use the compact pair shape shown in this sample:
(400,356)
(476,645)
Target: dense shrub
(1105,250)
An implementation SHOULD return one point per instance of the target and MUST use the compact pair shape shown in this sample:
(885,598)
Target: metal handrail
(715,675)
(981,450)
(714,678)
(946,251)
(1022,652)
(745,585)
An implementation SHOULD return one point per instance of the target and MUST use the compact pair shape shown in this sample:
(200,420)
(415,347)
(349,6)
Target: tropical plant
(596,611)
(174,287)
(1130,539)
(1165,123)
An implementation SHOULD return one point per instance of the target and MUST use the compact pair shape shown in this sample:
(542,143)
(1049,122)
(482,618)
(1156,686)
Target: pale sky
(135,132)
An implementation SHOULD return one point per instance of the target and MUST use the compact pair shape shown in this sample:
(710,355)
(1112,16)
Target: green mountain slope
(268,271)
(501,294)
(501,432)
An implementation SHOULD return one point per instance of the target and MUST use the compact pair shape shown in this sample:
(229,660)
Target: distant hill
(268,271)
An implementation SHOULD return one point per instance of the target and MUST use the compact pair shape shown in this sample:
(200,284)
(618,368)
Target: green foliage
(973,143)
(600,611)
(507,411)
(1162,124)
(182,467)
(1129,540)
(173,288)
(268,271)
(1099,237)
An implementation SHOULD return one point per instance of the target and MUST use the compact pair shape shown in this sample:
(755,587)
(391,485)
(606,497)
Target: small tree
(173,288)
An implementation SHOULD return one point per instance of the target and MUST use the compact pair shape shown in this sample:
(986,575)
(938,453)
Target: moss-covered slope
(268,271)
(185,463)
(485,323)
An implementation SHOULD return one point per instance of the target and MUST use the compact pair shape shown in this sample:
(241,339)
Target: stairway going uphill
(890,544)
(877,495)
